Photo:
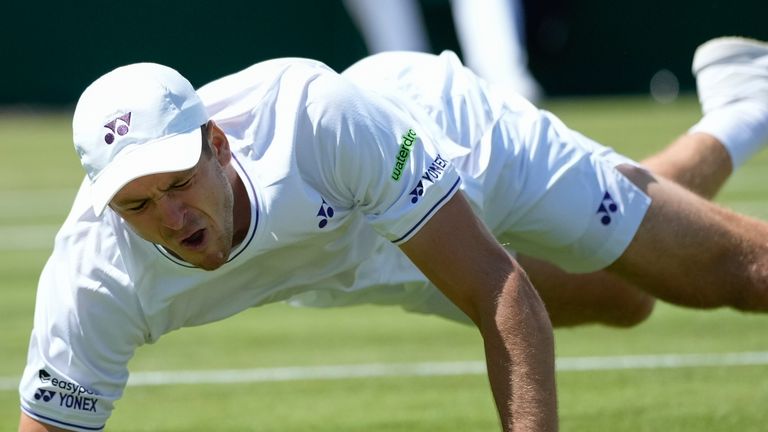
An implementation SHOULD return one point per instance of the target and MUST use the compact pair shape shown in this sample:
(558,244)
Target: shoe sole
(728,49)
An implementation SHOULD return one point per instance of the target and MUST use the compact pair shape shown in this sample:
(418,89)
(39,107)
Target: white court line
(21,205)
(35,202)
(27,237)
(373,370)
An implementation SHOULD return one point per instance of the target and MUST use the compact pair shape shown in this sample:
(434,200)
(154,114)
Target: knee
(746,286)
(616,308)
(751,296)
(630,312)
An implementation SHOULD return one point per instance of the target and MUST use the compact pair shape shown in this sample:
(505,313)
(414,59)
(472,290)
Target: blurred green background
(52,50)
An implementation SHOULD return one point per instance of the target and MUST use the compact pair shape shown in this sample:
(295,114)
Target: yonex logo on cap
(116,128)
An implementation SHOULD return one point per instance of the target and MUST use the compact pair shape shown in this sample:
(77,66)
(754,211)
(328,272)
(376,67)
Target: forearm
(458,254)
(28,424)
(519,347)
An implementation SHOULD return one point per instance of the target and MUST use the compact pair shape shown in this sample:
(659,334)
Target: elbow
(514,306)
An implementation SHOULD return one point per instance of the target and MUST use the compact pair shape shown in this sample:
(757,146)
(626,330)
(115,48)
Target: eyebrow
(181,175)
(128,202)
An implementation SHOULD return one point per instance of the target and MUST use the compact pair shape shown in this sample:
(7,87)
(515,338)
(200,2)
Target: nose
(171,211)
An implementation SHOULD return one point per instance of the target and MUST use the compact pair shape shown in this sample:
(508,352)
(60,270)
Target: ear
(219,143)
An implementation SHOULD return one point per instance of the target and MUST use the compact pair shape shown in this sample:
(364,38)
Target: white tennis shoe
(729,70)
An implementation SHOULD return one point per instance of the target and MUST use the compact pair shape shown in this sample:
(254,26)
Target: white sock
(741,127)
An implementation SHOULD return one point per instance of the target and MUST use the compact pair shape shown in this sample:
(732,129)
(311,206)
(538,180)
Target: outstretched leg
(691,252)
(697,161)
(599,297)
(725,253)
(732,78)
(732,83)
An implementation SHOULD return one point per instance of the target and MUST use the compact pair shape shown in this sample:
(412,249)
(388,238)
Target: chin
(208,266)
(213,261)
(211,257)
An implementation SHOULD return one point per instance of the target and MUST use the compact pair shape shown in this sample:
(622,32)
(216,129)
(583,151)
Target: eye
(182,184)
(138,207)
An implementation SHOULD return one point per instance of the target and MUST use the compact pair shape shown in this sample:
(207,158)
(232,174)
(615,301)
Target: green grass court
(39,174)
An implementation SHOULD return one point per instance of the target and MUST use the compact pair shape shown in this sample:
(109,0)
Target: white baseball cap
(136,120)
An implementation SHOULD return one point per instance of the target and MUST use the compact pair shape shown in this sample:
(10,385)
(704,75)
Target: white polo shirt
(335,176)
(339,169)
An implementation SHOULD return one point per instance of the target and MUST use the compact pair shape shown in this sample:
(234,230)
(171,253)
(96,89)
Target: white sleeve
(378,157)
(86,328)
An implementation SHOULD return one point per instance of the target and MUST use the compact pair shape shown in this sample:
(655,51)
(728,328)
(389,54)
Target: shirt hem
(41,417)
(429,213)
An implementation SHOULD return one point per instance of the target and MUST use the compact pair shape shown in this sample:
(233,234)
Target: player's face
(189,213)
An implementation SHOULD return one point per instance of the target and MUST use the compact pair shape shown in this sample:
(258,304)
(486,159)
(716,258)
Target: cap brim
(174,153)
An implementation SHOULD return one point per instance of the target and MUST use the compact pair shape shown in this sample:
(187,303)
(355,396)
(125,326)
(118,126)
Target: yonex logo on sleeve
(44,395)
(402,155)
(117,128)
(417,192)
(434,172)
(66,400)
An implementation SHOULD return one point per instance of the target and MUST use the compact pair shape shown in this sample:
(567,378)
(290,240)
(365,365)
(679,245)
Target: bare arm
(28,424)
(458,254)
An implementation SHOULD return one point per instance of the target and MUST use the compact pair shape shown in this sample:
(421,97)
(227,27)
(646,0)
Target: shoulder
(261,78)
(396,66)
(90,279)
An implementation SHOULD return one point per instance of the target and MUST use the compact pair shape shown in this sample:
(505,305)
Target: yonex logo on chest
(119,125)
(326,212)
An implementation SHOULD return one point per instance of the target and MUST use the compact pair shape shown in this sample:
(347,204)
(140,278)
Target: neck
(241,208)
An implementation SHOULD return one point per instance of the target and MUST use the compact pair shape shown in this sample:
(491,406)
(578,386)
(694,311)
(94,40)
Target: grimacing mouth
(194,239)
